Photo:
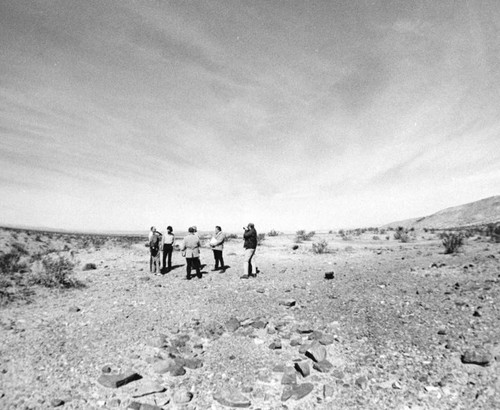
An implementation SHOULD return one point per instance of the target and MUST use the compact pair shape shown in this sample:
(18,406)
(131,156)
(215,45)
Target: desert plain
(399,326)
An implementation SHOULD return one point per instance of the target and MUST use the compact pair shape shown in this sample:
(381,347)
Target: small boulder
(323,366)
(303,368)
(232,398)
(287,302)
(478,357)
(297,391)
(182,396)
(316,352)
(289,376)
(89,266)
(232,324)
(164,366)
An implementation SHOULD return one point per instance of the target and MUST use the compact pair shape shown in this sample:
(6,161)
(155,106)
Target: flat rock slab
(182,396)
(289,376)
(117,380)
(323,367)
(232,398)
(479,357)
(147,389)
(297,392)
(164,366)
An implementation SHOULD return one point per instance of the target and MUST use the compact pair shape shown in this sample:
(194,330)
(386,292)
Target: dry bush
(260,238)
(452,242)
(55,273)
(301,235)
(272,232)
(320,247)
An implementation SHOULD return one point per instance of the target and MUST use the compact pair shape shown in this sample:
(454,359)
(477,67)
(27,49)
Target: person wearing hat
(191,251)
(250,245)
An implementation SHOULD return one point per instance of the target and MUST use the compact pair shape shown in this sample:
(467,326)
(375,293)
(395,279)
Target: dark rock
(323,366)
(303,368)
(289,376)
(329,275)
(316,352)
(441,331)
(287,302)
(479,357)
(232,324)
(117,380)
(89,266)
(232,398)
(477,313)
(304,329)
(56,402)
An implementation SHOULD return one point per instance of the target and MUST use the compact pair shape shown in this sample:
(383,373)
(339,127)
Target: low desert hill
(480,212)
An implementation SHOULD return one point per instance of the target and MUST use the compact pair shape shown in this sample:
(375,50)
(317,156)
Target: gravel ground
(396,323)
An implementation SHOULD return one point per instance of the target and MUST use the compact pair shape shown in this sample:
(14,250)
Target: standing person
(191,251)
(167,241)
(154,249)
(250,244)
(151,232)
(217,244)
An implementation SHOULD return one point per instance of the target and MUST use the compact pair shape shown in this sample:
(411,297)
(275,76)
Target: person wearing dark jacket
(250,244)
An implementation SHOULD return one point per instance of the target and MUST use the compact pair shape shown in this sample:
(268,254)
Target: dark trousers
(218,259)
(154,260)
(167,251)
(193,263)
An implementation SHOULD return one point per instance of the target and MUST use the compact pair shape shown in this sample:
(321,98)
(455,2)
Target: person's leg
(150,260)
(198,265)
(216,260)
(248,261)
(188,267)
(170,250)
(222,266)
(164,257)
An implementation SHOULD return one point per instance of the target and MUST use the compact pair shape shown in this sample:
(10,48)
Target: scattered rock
(164,366)
(106,369)
(328,391)
(362,382)
(182,396)
(275,345)
(289,376)
(232,324)
(297,391)
(323,366)
(326,340)
(479,357)
(316,335)
(232,398)
(295,342)
(303,368)
(193,363)
(74,309)
(288,302)
(135,405)
(117,380)
(56,402)
(329,275)
(316,352)
(260,324)
(89,266)
(304,329)
(178,370)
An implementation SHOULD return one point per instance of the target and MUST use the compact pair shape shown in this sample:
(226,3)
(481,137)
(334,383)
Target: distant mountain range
(475,213)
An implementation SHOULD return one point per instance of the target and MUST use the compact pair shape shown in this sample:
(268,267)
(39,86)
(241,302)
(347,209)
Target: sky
(117,115)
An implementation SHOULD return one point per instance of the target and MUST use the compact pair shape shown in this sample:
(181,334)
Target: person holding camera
(250,245)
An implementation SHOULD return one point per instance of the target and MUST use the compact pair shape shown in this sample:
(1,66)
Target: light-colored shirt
(167,239)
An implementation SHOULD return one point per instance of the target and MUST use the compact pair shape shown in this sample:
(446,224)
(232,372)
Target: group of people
(163,244)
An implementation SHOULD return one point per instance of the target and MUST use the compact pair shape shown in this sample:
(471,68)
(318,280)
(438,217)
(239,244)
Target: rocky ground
(400,326)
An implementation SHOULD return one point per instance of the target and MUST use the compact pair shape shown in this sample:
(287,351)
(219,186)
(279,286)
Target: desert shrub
(260,238)
(55,272)
(452,241)
(230,236)
(303,236)
(387,237)
(272,232)
(401,234)
(10,262)
(376,238)
(320,247)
